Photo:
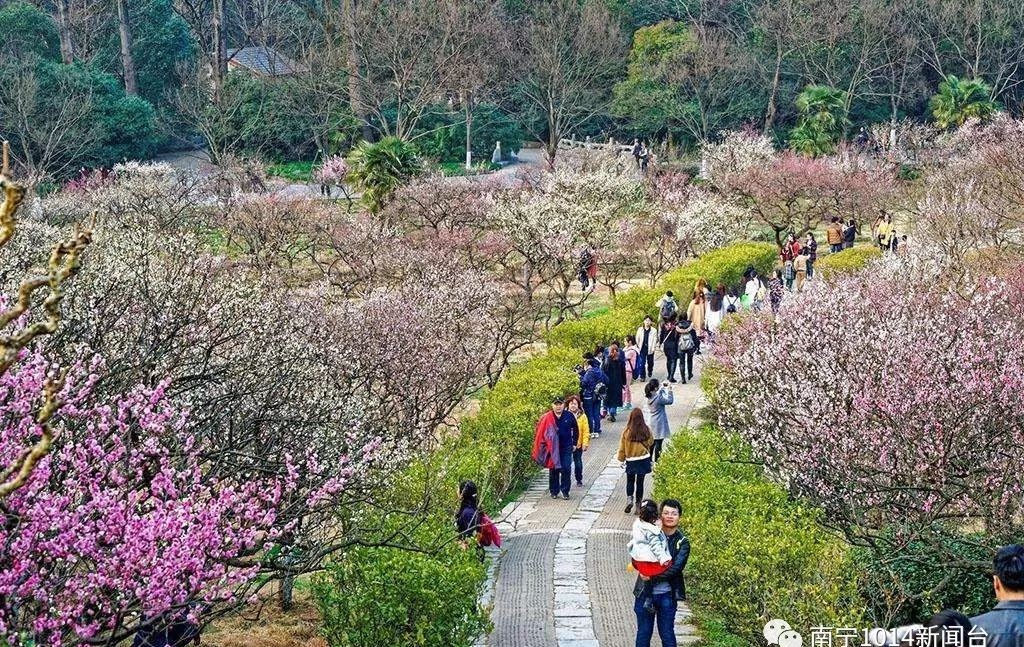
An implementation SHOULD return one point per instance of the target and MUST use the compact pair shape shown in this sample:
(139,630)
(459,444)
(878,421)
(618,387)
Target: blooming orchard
(893,406)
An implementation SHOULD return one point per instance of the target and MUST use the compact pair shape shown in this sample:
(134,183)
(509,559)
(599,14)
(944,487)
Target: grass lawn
(452,169)
(292,171)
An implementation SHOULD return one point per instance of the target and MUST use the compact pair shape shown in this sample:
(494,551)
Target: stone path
(561,577)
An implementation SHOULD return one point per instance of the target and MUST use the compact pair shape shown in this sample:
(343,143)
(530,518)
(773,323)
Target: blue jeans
(561,479)
(592,407)
(577,463)
(665,616)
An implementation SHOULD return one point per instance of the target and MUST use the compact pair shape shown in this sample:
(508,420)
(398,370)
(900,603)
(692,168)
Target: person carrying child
(648,549)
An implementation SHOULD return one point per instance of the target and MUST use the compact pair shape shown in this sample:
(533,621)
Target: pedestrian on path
(670,348)
(667,589)
(667,307)
(635,454)
(689,344)
(648,549)
(614,368)
(575,407)
(556,436)
(593,382)
(775,291)
(801,266)
(849,234)
(647,340)
(811,249)
(834,235)
(1004,624)
(714,311)
(695,313)
(467,517)
(631,358)
(657,397)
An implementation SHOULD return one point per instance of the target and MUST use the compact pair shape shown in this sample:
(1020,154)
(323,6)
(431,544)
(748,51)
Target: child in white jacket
(648,548)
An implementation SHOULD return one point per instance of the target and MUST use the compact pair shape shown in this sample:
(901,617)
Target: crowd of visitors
(658,549)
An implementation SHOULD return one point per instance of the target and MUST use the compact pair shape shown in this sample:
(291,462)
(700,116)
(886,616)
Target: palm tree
(823,106)
(379,168)
(822,120)
(958,100)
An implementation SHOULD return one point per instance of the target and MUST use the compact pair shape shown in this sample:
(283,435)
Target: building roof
(263,60)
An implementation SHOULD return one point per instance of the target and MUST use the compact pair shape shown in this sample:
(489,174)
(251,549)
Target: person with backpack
(631,358)
(731,302)
(575,406)
(647,338)
(667,307)
(593,387)
(554,440)
(688,345)
(614,368)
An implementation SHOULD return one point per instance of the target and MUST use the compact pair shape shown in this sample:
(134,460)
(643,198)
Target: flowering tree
(794,193)
(893,406)
(546,225)
(21,458)
(972,208)
(735,152)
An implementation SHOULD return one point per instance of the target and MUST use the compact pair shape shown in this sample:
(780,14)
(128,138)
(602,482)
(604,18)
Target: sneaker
(612,418)
(554,496)
(673,380)
(579,483)
(629,507)
(691,376)
(565,495)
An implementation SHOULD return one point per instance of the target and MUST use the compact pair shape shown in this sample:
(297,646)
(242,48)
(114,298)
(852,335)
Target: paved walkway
(561,577)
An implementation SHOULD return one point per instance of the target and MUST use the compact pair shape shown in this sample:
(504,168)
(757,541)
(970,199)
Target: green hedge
(386,596)
(493,449)
(724,265)
(757,555)
(847,261)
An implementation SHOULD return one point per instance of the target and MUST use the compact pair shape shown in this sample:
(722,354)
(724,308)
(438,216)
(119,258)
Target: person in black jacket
(668,588)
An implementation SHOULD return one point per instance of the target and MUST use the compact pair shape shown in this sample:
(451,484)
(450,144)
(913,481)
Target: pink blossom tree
(895,407)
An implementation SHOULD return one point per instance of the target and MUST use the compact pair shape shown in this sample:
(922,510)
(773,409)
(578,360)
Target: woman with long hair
(635,453)
(658,396)
(468,516)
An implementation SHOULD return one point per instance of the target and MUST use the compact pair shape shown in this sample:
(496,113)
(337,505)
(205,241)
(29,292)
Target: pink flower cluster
(890,404)
(120,520)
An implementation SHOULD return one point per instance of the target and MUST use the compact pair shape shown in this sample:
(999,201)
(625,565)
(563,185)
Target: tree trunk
(67,47)
(355,93)
(220,50)
(769,116)
(469,129)
(127,62)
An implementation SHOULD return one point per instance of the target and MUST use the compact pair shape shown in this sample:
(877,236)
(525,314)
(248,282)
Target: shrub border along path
(597,610)
(561,578)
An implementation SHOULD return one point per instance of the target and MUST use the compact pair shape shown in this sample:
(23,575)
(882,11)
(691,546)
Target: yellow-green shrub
(756,554)
(847,261)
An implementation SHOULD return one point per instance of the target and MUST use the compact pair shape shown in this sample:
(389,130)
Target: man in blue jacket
(590,386)
(1004,624)
(668,588)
